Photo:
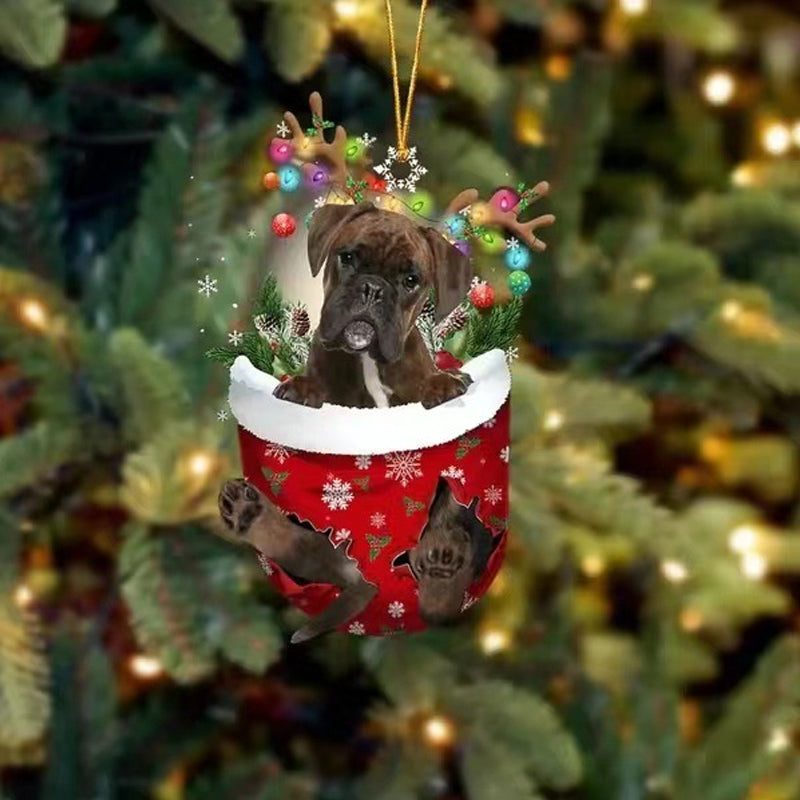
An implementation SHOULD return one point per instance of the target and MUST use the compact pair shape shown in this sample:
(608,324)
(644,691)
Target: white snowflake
(476,281)
(342,535)
(207,286)
(235,338)
(409,183)
(222,414)
(489,423)
(252,233)
(454,472)
(357,628)
(265,565)
(493,495)
(377,520)
(363,462)
(283,129)
(367,140)
(505,454)
(337,494)
(278,452)
(469,601)
(512,243)
(404,466)
(320,201)
(512,354)
(396,609)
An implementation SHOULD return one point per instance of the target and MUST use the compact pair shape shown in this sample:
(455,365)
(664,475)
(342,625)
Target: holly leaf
(32,32)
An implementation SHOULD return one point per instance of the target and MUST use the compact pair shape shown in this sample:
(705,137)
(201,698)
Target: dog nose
(371,291)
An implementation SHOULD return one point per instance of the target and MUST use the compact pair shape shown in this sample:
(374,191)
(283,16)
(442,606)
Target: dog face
(379,270)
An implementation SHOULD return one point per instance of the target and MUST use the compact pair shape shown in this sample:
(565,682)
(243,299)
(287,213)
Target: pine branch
(496,328)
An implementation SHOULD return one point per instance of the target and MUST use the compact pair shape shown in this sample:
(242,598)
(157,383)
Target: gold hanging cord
(404,121)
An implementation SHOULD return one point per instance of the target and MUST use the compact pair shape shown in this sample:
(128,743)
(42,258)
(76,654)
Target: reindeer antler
(310,147)
(492,215)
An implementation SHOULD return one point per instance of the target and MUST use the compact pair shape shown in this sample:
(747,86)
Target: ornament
(271,180)
(455,225)
(446,360)
(290,178)
(316,176)
(519,282)
(354,149)
(409,183)
(517,257)
(422,203)
(492,241)
(463,247)
(283,225)
(504,199)
(482,295)
(280,151)
(374,183)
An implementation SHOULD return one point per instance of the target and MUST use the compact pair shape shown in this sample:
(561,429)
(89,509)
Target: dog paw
(240,504)
(302,390)
(444,386)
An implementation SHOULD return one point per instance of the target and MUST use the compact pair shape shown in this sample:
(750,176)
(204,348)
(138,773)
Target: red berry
(481,296)
(283,225)
(446,360)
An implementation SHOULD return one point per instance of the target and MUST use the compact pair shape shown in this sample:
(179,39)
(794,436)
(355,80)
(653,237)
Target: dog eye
(346,259)
(411,281)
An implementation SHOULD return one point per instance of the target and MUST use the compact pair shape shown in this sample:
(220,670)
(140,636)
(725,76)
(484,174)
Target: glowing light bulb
(776,138)
(731,310)
(143,666)
(553,421)
(642,282)
(23,596)
(754,566)
(201,463)
(494,641)
(634,8)
(719,87)
(743,539)
(439,731)
(33,314)
(593,565)
(674,571)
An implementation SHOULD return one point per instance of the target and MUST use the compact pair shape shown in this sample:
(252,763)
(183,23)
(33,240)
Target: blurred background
(643,638)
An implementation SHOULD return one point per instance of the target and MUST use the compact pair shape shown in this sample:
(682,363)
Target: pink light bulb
(504,199)
(280,151)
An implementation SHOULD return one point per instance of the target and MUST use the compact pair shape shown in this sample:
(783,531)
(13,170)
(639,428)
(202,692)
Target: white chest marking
(372,380)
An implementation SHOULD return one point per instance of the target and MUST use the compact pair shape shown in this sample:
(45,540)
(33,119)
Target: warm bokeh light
(347,9)
(201,463)
(719,87)
(439,731)
(674,571)
(642,282)
(33,314)
(731,310)
(634,8)
(779,740)
(593,565)
(691,620)
(495,640)
(743,539)
(776,138)
(754,566)
(553,421)
(796,133)
(143,666)
(745,175)
(23,596)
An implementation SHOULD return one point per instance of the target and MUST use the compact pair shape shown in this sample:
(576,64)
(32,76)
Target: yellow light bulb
(553,421)
(33,314)
(145,667)
(494,641)
(754,566)
(439,731)
(719,87)
(743,539)
(674,571)
(776,139)
(634,8)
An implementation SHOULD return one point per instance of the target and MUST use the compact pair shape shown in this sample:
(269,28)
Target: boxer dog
(379,270)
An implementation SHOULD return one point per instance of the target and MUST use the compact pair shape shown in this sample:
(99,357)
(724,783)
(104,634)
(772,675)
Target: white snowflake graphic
(409,183)
(320,201)
(396,609)
(404,466)
(454,472)
(283,129)
(235,338)
(337,494)
(512,354)
(340,536)
(377,520)
(357,628)
(207,286)
(222,414)
(489,423)
(265,565)
(493,495)
(363,462)
(278,452)
(512,243)
(476,281)
(505,453)
(367,140)
(469,601)
(252,233)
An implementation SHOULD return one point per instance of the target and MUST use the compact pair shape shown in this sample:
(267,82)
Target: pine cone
(267,327)
(453,322)
(299,321)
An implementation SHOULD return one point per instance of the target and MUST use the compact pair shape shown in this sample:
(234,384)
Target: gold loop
(403,121)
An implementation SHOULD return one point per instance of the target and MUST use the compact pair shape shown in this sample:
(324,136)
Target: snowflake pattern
(235,338)
(252,233)
(409,183)
(505,453)
(493,495)
(320,201)
(283,129)
(265,565)
(340,536)
(489,423)
(278,452)
(454,472)
(208,286)
(512,243)
(222,414)
(363,462)
(366,140)
(512,354)
(377,520)
(337,494)
(357,628)
(396,609)
(469,601)
(404,466)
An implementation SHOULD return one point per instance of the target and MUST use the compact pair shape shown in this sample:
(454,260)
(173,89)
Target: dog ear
(325,225)
(453,272)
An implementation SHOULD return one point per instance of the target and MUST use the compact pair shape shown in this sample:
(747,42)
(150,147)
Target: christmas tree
(641,640)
